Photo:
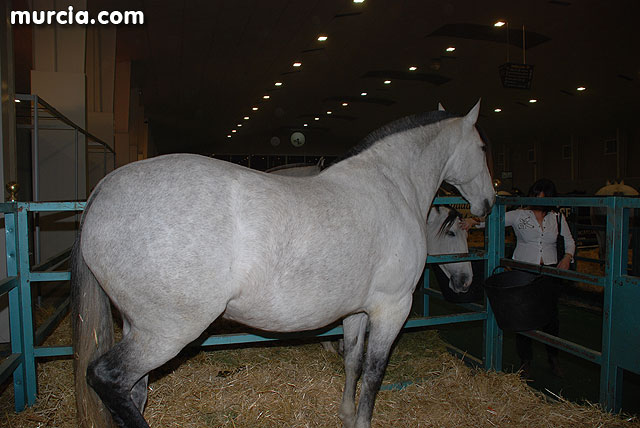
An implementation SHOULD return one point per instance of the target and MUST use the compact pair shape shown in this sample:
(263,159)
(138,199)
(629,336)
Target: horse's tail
(92,335)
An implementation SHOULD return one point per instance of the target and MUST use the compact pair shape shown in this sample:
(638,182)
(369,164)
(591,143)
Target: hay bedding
(300,386)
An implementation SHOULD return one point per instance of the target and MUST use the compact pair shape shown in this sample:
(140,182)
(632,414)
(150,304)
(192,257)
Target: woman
(536,230)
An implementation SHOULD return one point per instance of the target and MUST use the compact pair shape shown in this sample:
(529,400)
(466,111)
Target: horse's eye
(450,233)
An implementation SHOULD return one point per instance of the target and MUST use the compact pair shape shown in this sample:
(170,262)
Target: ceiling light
(278,83)
(413,68)
(306,124)
(234,131)
(364,94)
(345,104)
(533,100)
(246,118)
(499,23)
(266,97)
(239,125)
(316,118)
(581,88)
(497,110)
(17,100)
(297,64)
(229,136)
(254,108)
(329,112)
(322,38)
(450,49)
(358,1)
(387,82)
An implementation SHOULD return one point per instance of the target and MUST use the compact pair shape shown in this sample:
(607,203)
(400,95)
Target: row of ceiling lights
(324,38)
(297,64)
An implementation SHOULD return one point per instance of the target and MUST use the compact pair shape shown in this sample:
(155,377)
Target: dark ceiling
(202,65)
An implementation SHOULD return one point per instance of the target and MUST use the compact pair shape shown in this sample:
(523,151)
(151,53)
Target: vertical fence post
(24,285)
(495,251)
(15,314)
(610,374)
(425,295)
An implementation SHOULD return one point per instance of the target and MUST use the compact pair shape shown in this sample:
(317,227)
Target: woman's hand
(468,223)
(565,263)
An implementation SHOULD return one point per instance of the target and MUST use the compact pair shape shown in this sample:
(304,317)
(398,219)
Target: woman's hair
(543,185)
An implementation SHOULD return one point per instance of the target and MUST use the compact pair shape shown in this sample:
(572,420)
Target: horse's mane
(289,166)
(399,125)
(451,218)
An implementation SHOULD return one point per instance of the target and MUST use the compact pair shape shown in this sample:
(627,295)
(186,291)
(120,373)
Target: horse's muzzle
(485,208)
(460,283)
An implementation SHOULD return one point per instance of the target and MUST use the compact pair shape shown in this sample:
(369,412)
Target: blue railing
(620,340)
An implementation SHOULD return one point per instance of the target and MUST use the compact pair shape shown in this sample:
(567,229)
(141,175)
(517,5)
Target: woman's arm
(569,244)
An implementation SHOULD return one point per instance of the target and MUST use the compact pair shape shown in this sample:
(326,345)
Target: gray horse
(179,240)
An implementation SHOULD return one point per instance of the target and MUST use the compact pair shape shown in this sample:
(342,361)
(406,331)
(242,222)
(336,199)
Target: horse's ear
(472,117)
(440,107)
(608,183)
(621,182)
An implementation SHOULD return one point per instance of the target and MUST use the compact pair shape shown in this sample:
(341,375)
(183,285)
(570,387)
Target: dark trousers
(524,344)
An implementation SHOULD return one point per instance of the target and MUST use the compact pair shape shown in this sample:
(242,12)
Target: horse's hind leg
(115,374)
(139,390)
(384,325)
(355,327)
(139,393)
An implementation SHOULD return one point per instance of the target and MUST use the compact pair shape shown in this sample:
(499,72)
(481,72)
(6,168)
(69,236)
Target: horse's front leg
(384,325)
(355,327)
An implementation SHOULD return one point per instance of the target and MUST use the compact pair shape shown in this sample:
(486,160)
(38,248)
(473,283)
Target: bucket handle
(505,267)
(496,268)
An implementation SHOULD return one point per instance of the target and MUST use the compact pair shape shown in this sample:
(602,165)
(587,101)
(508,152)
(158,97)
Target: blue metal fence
(620,338)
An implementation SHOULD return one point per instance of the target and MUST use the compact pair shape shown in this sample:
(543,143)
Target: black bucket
(475,293)
(520,300)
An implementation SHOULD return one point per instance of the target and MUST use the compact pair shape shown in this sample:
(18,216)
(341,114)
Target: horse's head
(617,188)
(466,167)
(445,236)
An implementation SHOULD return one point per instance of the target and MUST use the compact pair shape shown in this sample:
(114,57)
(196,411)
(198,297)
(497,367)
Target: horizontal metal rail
(469,306)
(53,262)
(8,366)
(565,345)
(53,351)
(237,338)
(554,272)
(8,284)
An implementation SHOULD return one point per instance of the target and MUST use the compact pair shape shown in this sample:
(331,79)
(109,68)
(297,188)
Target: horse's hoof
(347,421)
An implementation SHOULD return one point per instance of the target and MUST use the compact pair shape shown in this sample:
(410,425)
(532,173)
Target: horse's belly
(287,313)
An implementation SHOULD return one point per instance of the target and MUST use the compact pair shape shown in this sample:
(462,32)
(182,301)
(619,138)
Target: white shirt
(535,244)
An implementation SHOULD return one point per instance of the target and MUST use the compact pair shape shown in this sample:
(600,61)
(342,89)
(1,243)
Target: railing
(620,348)
(620,338)
(42,116)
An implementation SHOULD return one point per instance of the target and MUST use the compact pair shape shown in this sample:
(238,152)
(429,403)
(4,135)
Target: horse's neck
(415,168)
